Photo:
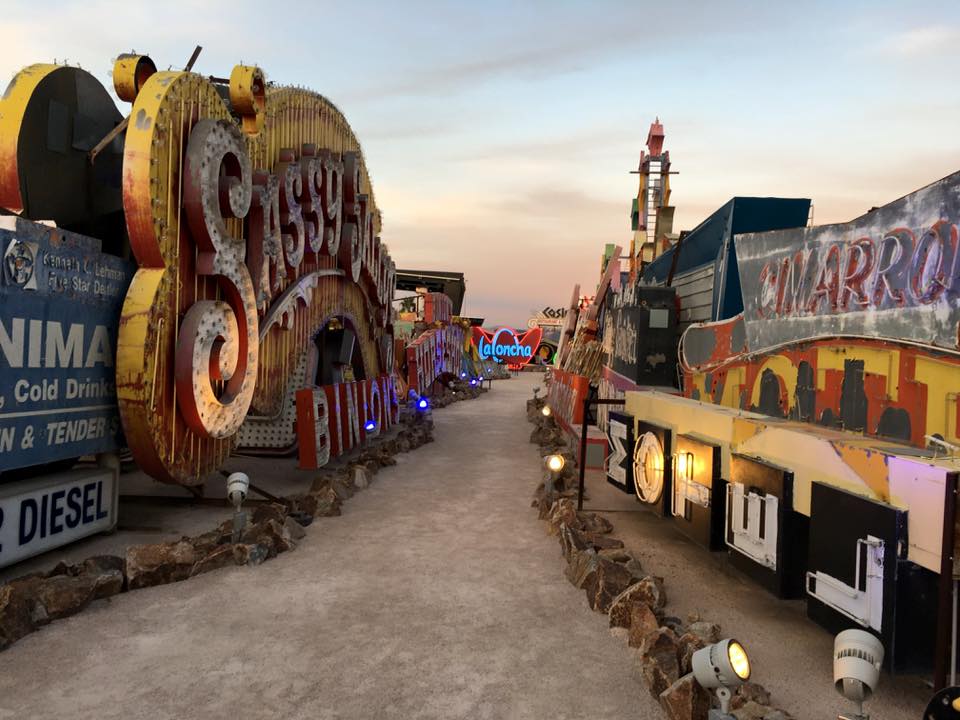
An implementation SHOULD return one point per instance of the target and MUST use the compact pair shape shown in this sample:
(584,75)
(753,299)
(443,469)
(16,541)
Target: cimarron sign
(892,273)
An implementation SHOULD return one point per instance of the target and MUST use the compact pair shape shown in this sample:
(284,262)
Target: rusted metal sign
(252,220)
(238,229)
(892,273)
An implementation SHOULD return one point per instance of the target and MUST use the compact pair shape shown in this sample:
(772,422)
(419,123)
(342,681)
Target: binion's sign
(335,419)
(505,346)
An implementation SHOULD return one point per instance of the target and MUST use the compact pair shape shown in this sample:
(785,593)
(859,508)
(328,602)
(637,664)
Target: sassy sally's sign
(505,346)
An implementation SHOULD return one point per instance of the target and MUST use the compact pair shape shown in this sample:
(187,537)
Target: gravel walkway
(437,594)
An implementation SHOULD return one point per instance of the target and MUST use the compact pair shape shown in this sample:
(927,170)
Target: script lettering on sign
(244,259)
(893,273)
(505,346)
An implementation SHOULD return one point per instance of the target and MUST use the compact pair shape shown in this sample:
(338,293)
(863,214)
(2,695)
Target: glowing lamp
(721,666)
(422,404)
(546,411)
(685,466)
(555,463)
(463,375)
(370,425)
(473,381)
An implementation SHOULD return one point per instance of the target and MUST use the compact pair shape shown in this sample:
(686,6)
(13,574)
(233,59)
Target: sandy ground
(437,594)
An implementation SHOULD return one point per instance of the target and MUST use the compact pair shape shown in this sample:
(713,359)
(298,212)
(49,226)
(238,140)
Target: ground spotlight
(463,375)
(721,666)
(857,657)
(422,404)
(554,463)
(546,411)
(370,425)
(238,486)
(473,381)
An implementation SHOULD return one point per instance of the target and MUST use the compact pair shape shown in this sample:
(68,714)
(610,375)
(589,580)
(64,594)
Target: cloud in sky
(500,135)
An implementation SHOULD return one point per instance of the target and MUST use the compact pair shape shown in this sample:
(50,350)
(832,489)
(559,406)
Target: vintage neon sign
(335,419)
(433,353)
(284,236)
(505,346)
(565,397)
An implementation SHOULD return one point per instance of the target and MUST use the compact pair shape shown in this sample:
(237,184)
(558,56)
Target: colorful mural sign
(848,325)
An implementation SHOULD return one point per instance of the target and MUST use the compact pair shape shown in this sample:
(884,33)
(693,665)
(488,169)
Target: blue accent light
(473,381)
(423,404)
(370,425)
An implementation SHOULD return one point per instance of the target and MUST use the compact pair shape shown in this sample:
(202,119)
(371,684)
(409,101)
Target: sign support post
(587,402)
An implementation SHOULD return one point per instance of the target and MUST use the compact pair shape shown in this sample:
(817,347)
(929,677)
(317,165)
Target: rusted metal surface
(254,224)
(130,72)
(892,273)
(167,284)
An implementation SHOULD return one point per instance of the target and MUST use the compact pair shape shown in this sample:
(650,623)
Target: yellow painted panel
(870,465)
(736,379)
(942,381)
(878,361)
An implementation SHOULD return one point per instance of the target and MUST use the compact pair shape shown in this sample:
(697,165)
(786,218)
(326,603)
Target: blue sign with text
(60,302)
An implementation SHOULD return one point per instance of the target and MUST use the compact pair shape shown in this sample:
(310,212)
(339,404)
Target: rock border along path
(615,584)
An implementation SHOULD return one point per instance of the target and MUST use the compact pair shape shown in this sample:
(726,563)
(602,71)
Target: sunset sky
(500,134)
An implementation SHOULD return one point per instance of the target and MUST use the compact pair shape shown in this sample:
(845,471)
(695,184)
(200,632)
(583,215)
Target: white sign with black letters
(41,514)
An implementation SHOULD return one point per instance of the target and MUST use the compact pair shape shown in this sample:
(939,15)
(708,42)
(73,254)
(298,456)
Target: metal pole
(946,584)
(953,639)
(583,452)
